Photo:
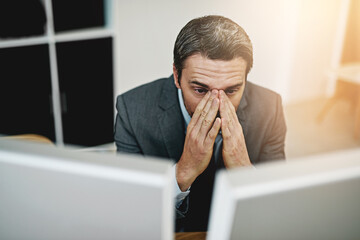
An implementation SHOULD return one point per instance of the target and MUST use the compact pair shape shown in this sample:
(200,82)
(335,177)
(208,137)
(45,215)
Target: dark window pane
(86,84)
(70,14)
(21,18)
(25,91)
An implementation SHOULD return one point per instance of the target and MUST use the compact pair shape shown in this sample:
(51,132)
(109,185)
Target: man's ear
(176,77)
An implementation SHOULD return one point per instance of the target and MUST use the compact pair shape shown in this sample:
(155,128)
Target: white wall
(293,40)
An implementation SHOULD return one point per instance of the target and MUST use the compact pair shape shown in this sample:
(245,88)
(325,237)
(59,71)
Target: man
(206,116)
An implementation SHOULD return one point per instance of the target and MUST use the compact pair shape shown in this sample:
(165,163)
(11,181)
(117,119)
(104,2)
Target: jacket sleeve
(126,141)
(274,145)
(124,136)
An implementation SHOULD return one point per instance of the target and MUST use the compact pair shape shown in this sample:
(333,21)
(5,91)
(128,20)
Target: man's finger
(198,110)
(224,111)
(204,112)
(225,129)
(209,119)
(227,110)
(231,108)
(211,135)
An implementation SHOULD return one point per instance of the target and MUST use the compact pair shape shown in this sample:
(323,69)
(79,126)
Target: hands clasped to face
(208,87)
(201,133)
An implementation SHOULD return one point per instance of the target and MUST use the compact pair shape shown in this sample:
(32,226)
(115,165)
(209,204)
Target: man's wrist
(179,195)
(184,178)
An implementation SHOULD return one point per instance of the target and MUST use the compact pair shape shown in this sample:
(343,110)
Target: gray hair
(214,37)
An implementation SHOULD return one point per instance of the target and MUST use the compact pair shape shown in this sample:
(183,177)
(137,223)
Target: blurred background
(86,52)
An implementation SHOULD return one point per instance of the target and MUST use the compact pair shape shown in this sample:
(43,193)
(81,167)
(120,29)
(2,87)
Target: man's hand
(200,137)
(234,148)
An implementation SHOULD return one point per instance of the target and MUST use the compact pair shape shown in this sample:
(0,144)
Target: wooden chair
(348,88)
(31,137)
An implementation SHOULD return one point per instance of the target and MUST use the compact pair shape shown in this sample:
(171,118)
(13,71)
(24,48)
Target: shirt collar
(184,112)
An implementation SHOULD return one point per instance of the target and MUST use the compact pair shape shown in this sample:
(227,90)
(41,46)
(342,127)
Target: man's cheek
(192,108)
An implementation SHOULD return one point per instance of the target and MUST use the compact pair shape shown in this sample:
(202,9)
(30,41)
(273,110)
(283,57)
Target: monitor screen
(316,197)
(48,192)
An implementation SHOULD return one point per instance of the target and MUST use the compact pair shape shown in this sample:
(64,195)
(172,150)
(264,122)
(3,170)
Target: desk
(190,236)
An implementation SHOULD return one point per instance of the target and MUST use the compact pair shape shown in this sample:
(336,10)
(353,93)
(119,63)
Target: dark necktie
(201,193)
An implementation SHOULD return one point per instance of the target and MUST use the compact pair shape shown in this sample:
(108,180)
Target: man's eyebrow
(199,83)
(235,86)
(206,86)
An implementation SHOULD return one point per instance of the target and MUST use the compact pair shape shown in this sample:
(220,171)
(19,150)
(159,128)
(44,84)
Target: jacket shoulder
(259,92)
(262,103)
(144,91)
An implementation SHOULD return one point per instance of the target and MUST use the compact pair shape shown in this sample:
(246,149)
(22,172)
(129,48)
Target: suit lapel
(241,113)
(171,120)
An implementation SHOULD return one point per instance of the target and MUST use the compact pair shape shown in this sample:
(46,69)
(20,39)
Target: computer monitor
(56,193)
(315,197)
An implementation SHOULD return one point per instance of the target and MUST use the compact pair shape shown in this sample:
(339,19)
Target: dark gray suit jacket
(150,122)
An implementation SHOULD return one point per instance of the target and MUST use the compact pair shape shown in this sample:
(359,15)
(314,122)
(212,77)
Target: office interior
(306,50)
(298,48)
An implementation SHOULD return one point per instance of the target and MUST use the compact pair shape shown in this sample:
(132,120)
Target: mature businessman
(206,116)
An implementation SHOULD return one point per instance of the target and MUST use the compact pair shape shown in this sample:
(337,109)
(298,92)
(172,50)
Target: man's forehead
(200,59)
(200,65)
(219,73)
